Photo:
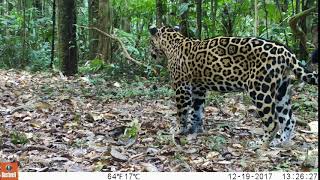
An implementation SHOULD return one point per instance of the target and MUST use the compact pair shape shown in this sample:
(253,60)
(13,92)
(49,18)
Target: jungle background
(79,90)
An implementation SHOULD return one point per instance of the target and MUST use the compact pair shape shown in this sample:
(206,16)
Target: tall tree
(256,19)
(53,18)
(1,4)
(105,24)
(93,8)
(24,35)
(38,5)
(67,36)
(298,6)
(266,17)
(184,25)
(126,19)
(306,4)
(213,11)
(199,18)
(227,20)
(160,13)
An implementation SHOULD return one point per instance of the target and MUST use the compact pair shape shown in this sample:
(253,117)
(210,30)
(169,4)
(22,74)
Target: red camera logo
(8,170)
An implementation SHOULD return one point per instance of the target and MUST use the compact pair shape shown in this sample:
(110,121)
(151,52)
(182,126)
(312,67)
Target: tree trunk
(93,8)
(297,6)
(67,36)
(105,24)
(139,32)
(266,17)
(126,20)
(1,10)
(213,8)
(160,13)
(199,18)
(24,35)
(10,6)
(125,23)
(256,19)
(54,4)
(184,25)
(38,5)
(281,19)
(303,23)
(227,20)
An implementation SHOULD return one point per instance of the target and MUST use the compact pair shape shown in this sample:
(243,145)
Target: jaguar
(229,64)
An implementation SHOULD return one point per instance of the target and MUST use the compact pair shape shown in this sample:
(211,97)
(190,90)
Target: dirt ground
(52,123)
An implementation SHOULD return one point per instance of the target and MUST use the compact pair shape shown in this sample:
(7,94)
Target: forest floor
(52,123)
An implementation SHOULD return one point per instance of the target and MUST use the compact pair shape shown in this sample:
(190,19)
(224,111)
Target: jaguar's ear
(153,30)
(176,28)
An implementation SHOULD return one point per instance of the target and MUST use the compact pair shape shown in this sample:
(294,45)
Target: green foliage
(79,143)
(215,98)
(137,90)
(163,139)
(305,105)
(29,48)
(132,130)
(18,138)
(216,143)
(82,34)
(134,8)
(183,8)
(92,66)
(120,66)
(283,166)
(32,50)
(130,42)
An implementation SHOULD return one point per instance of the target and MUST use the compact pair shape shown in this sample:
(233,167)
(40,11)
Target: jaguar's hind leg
(284,111)
(265,102)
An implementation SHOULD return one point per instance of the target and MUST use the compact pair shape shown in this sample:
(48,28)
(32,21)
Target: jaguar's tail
(302,73)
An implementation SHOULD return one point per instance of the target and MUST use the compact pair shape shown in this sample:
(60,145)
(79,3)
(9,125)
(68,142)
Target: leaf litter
(49,122)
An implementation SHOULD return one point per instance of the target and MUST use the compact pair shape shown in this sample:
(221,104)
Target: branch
(296,30)
(126,53)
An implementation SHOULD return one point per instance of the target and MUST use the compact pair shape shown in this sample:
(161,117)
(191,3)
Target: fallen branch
(301,123)
(126,53)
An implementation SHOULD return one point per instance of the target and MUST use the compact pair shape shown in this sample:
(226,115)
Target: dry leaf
(313,126)
(118,156)
(211,155)
(116,84)
(43,106)
(149,167)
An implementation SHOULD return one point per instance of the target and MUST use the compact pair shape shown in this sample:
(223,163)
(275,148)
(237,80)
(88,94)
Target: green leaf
(133,129)
(18,138)
(183,8)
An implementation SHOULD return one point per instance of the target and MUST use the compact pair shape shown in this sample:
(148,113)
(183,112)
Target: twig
(136,156)
(37,147)
(126,54)
(29,148)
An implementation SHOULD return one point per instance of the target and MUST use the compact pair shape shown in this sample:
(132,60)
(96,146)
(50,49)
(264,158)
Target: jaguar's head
(159,39)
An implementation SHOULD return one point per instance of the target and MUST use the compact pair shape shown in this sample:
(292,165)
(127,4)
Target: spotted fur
(257,66)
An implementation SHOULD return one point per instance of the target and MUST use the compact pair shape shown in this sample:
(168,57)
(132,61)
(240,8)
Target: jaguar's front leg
(184,101)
